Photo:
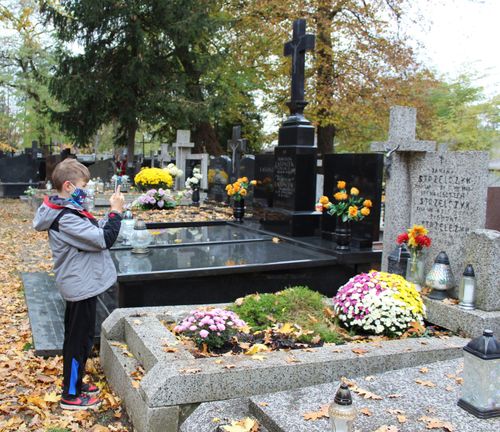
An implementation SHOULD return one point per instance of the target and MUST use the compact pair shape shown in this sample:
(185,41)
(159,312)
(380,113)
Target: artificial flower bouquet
(173,170)
(157,199)
(213,327)
(415,238)
(347,206)
(379,303)
(239,189)
(194,181)
(148,178)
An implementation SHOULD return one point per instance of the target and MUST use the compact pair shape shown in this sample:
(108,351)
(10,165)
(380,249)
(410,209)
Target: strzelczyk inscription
(441,195)
(284,168)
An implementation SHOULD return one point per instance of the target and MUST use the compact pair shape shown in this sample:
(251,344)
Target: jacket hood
(49,210)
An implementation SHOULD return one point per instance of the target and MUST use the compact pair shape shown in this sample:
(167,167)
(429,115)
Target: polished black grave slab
(46,312)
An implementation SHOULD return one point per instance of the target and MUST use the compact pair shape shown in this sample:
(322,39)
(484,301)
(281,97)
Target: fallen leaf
(394,396)
(230,366)
(245,425)
(51,397)
(98,428)
(425,383)
(366,412)
(386,428)
(291,359)
(276,240)
(395,411)
(401,418)
(424,370)
(188,371)
(263,404)
(258,357)
(137,322)
(360,351)
(435,423)
(136,384)
(170,349)
(257,348)
(315,415)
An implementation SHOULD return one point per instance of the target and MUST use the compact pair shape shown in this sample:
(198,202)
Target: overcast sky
(460,35)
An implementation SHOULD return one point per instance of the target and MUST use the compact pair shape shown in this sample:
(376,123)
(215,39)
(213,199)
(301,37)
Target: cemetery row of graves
(255,295)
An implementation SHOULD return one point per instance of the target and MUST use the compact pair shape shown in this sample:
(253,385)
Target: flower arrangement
(31,191)
(194,181)
(239,189)
(173,170)
(213,327)
(216,175)
(348,206)
(154,178)
(157,199)
(415,238)
(379,303)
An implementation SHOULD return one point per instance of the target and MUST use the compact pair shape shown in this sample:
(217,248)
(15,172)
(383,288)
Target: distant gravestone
(183,148)
(247,169)
(237,146)
(200,160)
(104,169)
(218,177)
(264,171)
(365,172)
(444,191)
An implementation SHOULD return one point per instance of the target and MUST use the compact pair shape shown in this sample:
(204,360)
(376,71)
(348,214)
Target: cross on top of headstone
(402,127)
(183,138)
(296,48)
(237,145)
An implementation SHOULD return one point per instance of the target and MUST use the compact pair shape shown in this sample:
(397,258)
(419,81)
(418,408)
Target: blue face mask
(79,195)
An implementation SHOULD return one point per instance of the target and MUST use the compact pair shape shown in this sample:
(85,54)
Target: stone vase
(239,210)
(343,235)
(195,197)
(415,270)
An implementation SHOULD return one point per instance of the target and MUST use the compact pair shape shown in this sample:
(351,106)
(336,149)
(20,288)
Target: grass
(297,305)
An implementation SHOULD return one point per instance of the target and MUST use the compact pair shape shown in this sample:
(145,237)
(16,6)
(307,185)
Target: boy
(83,268)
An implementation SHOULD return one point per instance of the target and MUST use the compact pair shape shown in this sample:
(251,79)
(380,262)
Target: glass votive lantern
(141,238)
(127,228)
(440,277)
(467,291)
(341,411)
(481,386)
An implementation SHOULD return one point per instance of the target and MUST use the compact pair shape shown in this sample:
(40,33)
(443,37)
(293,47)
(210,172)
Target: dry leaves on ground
(435,423)
(315,415)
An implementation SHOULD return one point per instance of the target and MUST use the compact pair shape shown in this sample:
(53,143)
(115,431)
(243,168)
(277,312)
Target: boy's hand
(117,201)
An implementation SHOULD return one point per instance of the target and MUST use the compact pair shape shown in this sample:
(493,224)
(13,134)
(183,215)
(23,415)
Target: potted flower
(416,240)
(149,178)
(193,183)
(173,170)
(347,207)
(238,191)
(156,199)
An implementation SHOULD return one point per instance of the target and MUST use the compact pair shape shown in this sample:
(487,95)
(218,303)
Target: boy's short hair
(69,170)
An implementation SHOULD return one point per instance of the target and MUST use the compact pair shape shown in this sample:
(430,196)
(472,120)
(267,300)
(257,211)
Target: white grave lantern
(341,411)
(481,387)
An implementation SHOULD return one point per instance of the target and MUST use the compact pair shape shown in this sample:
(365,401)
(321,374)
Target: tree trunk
(326,135)
(205,139)
(131,130)
(325,76)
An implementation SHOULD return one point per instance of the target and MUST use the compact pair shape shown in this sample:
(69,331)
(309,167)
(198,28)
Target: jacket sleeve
(82,234)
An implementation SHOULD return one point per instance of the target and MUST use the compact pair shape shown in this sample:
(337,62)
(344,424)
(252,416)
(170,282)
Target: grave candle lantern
(440,278)
(480,390)
(467,290)
(127,227)
(341,411)
(141,238)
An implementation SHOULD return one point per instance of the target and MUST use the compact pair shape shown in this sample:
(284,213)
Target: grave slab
(471,323)
(46,312)
(284,411)
(137,337)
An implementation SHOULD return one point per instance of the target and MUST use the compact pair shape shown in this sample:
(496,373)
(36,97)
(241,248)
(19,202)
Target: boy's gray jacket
(79,243)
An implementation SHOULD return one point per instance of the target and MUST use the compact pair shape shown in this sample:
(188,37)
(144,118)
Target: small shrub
(297,305)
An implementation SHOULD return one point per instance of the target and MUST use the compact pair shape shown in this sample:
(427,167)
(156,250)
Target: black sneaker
(82,402)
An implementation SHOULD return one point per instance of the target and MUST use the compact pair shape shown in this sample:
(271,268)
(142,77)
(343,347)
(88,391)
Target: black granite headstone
(264,172)
(247,169)
(104,169)
(363,171)
(219,170)
(19,169)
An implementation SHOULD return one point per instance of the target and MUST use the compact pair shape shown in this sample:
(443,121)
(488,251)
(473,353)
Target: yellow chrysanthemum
(243,192)
(341,184)
(340,196)
(365,211)
(253,182)
(244,179)
(148,177)
(417,230)
(367,203)
(354,191)
(353,211)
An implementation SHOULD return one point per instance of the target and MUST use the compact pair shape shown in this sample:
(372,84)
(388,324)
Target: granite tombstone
(363,171)
(219,170)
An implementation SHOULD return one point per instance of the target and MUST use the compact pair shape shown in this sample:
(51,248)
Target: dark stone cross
(237,145)
(296,48)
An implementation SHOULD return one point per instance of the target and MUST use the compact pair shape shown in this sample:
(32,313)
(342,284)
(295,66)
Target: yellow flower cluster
(350,205)
(240,187)
(413,233)
(153,177)
(403,290)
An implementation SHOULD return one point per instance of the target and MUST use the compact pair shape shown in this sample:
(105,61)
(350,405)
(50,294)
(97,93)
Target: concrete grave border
(175,383)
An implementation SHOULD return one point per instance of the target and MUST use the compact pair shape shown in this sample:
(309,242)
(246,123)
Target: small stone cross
(296,48)
(237,145)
